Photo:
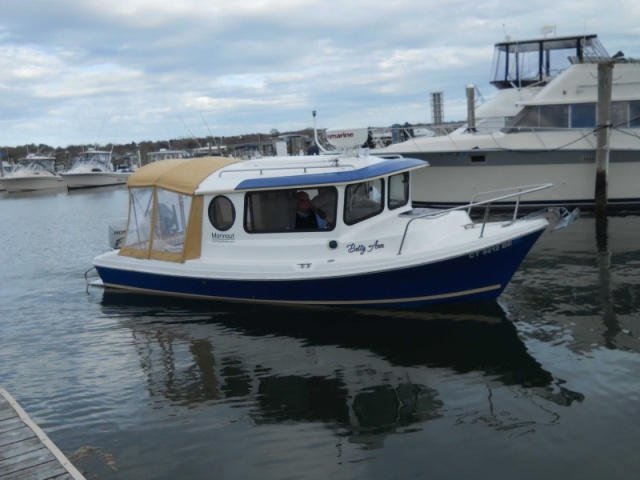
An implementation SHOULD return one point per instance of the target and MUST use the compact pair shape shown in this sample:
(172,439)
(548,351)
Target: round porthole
(333,244)
(222,213)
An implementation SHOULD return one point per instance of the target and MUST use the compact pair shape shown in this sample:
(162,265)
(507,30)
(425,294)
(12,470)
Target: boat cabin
(182,209)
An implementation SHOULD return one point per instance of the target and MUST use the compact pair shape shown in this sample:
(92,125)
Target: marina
(539,384)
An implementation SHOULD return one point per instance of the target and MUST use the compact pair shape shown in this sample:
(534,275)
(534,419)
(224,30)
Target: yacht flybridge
(539,127)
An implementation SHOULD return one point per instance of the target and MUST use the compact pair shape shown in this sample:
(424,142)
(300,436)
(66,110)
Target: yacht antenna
(190,133)
(315,135)
(211,135)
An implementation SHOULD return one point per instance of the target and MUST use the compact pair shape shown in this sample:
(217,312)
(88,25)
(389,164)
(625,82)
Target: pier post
(471,108)
(605,76)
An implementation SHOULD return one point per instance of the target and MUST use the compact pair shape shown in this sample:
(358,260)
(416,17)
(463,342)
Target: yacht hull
(454,178)
(29,184)
(95,179)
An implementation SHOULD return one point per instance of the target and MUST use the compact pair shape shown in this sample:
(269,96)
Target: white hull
(454,176)
(32,183)
(95,179)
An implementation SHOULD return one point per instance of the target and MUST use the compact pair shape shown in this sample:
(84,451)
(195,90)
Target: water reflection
(609,318)
(363,373)
(583,283)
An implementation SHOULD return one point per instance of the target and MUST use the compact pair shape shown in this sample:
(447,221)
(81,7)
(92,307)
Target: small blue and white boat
(220,228)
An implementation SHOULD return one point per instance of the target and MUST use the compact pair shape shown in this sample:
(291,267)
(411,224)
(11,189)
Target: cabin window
(139,226)
(222,213)
(275,211)
(398,190)
(172,214)
(169,225)
(363,200)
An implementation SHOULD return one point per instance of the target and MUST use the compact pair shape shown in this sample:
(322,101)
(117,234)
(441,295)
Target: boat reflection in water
(365,374)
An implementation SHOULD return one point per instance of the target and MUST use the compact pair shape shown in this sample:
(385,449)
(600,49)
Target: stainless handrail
(523,190)
(303,168)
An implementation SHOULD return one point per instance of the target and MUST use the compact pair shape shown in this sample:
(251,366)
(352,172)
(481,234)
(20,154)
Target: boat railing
(301,168)
(497,196)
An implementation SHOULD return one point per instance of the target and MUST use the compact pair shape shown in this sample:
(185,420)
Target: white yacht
(164,154)
(94,168)
(541,126)
(33,172)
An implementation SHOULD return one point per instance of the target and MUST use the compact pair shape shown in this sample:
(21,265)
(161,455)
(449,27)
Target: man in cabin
(324,204)
(305,216)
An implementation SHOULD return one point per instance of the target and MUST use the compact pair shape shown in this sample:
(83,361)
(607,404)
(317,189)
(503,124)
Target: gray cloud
(132,70)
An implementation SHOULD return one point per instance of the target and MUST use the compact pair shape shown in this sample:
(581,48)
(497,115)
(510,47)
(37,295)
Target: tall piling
(605,79)
(471,108)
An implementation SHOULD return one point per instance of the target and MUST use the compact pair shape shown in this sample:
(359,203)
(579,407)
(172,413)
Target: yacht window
(620,114)
(363,200)
(546,116)
(398,190)
(222,213)
(583,115)
(478,159)
(553,116)
(634,114)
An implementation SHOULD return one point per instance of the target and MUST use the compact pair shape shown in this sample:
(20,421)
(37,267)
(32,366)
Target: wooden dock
(25,451)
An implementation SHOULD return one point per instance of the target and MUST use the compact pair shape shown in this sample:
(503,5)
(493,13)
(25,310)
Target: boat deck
(25,450)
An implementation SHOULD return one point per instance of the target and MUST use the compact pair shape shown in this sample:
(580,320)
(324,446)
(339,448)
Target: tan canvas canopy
(182,175)
(146,237)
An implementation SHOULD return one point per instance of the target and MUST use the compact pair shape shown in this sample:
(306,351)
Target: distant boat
(7,168)
(334,229)
(164,154)
(94,168)
(33,172)
(539,127)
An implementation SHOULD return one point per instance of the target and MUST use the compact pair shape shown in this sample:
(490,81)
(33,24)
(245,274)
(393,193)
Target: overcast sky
(117,71)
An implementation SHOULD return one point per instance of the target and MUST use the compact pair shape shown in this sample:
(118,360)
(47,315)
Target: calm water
(544,383)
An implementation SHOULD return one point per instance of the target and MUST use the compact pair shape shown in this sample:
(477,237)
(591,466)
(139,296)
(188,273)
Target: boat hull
(32,183)
(476,276)
(95,179)
(452,178)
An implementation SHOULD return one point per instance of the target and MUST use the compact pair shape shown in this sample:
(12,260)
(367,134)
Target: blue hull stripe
(479,276)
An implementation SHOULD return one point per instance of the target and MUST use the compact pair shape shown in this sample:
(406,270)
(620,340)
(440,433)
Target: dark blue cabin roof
(386,167)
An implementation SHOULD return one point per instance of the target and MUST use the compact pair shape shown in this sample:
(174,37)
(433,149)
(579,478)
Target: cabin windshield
(363,200)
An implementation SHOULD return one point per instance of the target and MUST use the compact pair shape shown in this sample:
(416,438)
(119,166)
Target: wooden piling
(605,80)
